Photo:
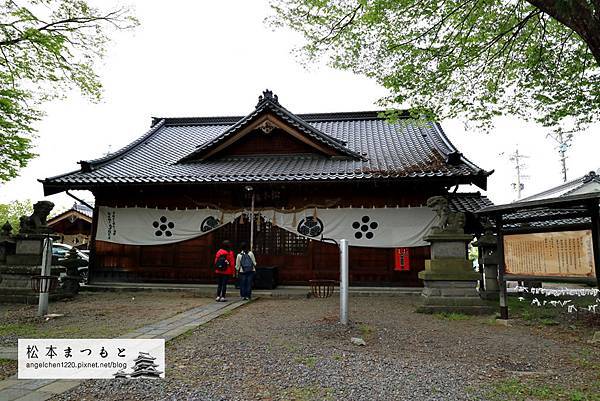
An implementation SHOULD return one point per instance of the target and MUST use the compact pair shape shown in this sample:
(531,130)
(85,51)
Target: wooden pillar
(93,262)
(595,216)
(501,281)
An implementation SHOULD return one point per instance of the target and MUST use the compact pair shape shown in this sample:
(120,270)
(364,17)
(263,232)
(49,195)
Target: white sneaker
(223,300)
(218,299)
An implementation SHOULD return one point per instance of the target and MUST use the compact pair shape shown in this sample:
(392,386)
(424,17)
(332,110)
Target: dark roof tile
(403,149)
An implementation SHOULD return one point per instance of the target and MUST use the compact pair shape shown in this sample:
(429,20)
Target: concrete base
(458,296)
(464,309)
(16,284)
(282,291)
(450,283)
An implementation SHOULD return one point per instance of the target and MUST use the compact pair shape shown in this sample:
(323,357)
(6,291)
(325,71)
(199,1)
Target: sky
(192,58)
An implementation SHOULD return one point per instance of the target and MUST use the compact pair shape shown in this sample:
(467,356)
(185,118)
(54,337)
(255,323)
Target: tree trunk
(577,15)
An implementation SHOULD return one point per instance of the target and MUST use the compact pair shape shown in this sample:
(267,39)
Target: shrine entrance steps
(208,290)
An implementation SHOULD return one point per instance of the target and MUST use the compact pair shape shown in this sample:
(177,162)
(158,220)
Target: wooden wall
(191,261)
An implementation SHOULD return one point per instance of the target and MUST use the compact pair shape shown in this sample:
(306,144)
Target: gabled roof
(374,149)
(268,103)
(590,182)
(79,211)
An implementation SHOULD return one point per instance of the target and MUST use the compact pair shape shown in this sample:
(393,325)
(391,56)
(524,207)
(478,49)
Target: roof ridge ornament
(267,127)
(267,96)
(591,176)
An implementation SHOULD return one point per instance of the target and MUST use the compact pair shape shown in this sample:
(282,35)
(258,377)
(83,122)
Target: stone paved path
(13,389)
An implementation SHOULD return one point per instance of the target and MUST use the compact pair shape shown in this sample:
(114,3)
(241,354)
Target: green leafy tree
(475,59)
(11,212)
(46,48)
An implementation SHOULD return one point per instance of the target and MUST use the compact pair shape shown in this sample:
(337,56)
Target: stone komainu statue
(450,222)
(36,223)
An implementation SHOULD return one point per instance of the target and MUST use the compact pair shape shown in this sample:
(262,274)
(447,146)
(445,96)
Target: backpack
(246,263)
(222,263)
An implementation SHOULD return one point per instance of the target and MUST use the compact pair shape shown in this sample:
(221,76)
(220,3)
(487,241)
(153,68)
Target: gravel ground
(97,314)
(7,368)
(295,350)
(93,315)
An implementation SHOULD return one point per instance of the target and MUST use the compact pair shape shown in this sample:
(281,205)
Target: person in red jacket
(224,268)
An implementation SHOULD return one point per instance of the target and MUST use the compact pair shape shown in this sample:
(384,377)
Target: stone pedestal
(23,262)
(450,283)
(16,284)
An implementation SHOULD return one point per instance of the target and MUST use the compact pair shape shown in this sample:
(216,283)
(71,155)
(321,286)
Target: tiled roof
(401,150)
(576,186)
(468,202)
(78,208)
(268,103)
(83,209)
(529,215)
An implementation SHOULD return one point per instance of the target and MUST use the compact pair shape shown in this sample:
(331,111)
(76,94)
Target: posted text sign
(551,254)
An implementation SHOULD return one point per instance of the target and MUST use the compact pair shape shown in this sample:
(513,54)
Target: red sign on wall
(402,259)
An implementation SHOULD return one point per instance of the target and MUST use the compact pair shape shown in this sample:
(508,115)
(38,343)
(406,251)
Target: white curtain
(368,227)
(147,226)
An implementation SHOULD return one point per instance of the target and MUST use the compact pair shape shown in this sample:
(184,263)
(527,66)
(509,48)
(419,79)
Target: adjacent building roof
(77,211)
(468,202)
(373,148)
(588,183)
(557,212)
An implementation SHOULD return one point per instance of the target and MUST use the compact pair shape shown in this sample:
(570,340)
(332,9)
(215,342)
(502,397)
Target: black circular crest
(364,228)
(209,223)
(163,228)
(310,226)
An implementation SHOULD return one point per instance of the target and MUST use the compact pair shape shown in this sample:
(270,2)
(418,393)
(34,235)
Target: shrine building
(165,202)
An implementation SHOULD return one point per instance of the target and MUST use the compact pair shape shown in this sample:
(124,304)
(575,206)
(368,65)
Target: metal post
(344,281)
(252,223)
(46,263)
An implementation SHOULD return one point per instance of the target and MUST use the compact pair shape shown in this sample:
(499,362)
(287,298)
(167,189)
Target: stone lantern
(488,259)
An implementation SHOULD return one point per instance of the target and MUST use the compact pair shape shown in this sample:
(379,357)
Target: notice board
(550,254)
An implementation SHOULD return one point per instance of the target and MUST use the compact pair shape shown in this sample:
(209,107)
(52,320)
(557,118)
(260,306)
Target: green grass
(452,316)
(19,329)
(546,315)
(309,393)
(365,330)
(309,361)
(529,390)
(586,358)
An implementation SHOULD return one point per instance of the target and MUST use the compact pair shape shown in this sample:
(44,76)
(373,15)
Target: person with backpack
(245,265)
(224,268)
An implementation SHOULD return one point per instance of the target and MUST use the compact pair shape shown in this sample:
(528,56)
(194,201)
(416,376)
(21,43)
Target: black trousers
(246,284)
(222,285)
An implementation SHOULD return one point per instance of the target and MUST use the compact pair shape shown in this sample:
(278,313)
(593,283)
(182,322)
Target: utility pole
(519,167)
(563,144)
